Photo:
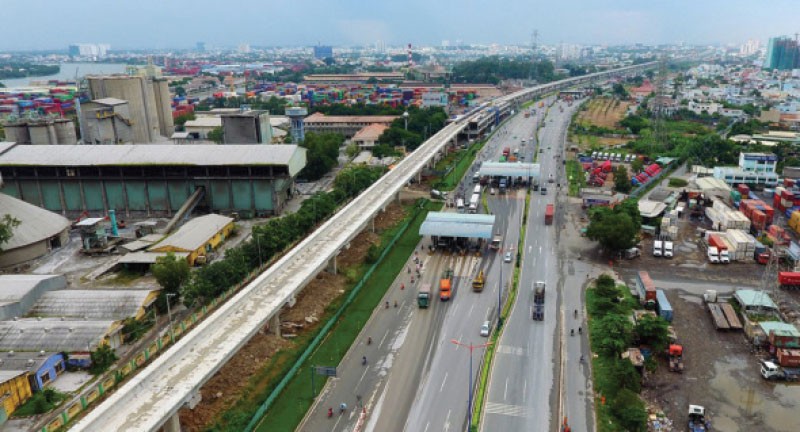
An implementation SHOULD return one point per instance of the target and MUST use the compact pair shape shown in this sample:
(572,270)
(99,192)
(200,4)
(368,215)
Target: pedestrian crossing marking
(504,409)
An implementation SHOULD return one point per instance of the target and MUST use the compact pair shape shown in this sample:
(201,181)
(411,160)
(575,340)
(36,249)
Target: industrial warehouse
(152,180)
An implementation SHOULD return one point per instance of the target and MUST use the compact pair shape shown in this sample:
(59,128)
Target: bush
(677,182)
(373,253)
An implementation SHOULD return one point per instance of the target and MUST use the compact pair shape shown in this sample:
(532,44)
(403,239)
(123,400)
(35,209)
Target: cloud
(363,31)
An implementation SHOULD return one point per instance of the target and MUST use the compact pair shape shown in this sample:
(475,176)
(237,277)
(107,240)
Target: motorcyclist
(364,360)
(572,332)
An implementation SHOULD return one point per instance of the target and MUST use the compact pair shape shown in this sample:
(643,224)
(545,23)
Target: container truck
(446,285)
(645,288)
(549,211)
(789,280)
(663,305)
(424,296)
(713,255)
(537,306)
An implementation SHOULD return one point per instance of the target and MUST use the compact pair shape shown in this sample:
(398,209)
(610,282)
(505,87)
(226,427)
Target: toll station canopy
(510,169)
(442,224)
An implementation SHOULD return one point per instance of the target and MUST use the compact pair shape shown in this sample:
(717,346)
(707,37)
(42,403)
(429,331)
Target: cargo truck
(675,358)
(667,249)
(549,211)
(663,305)
(658,250)
(697,419)
(446,285)
(537,306)
(424,296)
(772,371)
(645,288)
(497,241)
(789,280)
(478,282)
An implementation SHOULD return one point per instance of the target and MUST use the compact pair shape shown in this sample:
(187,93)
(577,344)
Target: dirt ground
(228,385)
(604,112)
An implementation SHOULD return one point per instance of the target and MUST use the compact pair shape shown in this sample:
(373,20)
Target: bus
(473,203)
(477,190)
(460,205)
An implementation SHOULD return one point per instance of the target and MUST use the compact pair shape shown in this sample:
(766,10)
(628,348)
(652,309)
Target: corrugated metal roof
(8,375)
(36,224)
(51,334)
(193,234)
(150,154)
(458,225)
(14,287)
(754,299)
(90,304)
(510,169)
(147,257)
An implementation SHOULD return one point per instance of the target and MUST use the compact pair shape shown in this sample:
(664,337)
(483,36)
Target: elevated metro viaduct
(151,179)
(150,400)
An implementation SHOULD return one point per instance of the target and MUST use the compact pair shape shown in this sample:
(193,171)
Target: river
(68,72)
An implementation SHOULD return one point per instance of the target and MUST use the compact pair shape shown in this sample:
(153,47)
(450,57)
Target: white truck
(668,249)
(713,255)
(772,371)
(724,258)
(658,248)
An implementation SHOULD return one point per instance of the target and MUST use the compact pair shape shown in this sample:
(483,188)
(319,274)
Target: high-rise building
(323,52)
(782,54)
(89,50)
(148,99)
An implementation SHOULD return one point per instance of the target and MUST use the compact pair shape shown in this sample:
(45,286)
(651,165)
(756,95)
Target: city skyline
(151,24)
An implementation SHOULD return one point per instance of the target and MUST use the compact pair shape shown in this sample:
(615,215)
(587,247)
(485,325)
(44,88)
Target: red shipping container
(743,189)
(788,357)
(714,240)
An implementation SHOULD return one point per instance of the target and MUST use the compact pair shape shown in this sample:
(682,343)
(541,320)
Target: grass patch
(677,182)
(40,403)
(576,177)
(289,409)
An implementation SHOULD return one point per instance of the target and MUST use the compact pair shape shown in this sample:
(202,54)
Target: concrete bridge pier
(173,424)
(275,324)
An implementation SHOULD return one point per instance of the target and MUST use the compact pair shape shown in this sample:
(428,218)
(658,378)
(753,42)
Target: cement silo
(65,132)
(163,107)
(140,94)
(17,132)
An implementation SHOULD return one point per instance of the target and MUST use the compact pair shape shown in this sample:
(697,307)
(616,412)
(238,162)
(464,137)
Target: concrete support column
(173,424)
(372,223)
(275,324)
(332,265)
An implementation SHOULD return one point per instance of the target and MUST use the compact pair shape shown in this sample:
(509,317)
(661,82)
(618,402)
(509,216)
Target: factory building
(39,231)
(148,101)
(41,367)
(16,388)
(40,131)
(345,125)
(197,237)
(152,180)
(107,121)
(58,335)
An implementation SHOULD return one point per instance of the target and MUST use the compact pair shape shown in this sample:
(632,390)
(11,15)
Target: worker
(395,303)
(572,332)
(342,407)
(330,412)
(363,360)
(369,340)
(579,330)
(387,304)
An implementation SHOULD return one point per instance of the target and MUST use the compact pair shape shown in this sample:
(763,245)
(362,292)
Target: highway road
(524,389)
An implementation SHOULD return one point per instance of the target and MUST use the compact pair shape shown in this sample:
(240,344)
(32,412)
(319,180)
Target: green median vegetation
(616,381)
(577,179)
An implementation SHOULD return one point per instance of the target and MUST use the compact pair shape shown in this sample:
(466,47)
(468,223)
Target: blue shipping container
(664,308)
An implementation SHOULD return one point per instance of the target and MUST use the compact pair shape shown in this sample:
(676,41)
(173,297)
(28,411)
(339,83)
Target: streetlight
(471,348)
(405,117)
(169,314)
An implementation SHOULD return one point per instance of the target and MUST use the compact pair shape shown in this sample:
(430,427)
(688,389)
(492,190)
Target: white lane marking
(530,248)
(443,381)
(427,425)
(470,309)
(383,339)
(540,249)
(524,389)
(504,409)
(366,369)
(505,392)
(447,421)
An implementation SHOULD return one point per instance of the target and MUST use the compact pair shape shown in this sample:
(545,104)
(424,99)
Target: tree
(613,334)
(622,183)
(102,358)
(625,376)
(7,225)
(216,135)
(615,229)
(634,123)
(322,154)
(180,91)
(653,331)
(170,272)
(619,91)
(181,120)
(637,165)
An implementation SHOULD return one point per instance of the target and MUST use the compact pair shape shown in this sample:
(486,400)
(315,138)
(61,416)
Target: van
(658,248)
(594,155)
(486,328)
(668,249)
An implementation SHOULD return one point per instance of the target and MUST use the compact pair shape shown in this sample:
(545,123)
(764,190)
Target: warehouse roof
(36,223)
(710,183)
(458,225)
(24,361)
(780,328)
(370,133)
(509,169)
(8,375)
(204,122)
(752,299)
(651,209)
(322,118)
(91,304)
(51,334)
(195,233)
(14,287)
(149,154)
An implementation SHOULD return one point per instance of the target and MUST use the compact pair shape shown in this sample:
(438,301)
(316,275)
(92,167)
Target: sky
(165,24)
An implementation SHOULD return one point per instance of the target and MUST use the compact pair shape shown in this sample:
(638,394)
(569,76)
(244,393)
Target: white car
(485,328)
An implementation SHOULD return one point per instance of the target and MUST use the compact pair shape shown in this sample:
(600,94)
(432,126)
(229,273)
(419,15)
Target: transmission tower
(659,108)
